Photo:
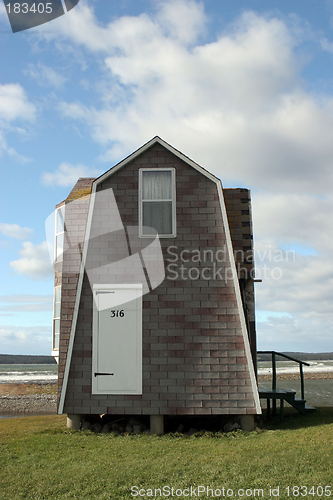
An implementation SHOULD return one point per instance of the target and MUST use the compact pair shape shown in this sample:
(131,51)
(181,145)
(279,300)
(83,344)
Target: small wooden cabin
(155,325)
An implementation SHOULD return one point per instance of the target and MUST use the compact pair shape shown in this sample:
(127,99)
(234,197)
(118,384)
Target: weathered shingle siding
(239,212)
(238,207)
(194,359)
(67,272)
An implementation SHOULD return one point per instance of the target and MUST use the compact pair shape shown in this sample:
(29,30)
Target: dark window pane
(56,341)
(158,215)
(56,326)
(57,294)
(60,247)
(57,310)
(60,222)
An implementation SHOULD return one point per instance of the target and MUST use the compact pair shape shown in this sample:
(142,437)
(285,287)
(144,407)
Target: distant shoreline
(296,376)
(302,356)
(26,359)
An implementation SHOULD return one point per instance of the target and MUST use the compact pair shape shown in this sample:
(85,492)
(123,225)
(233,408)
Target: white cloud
(15,231)
(238,106)
(35,262)
(326,45)
(9,150)
(14,103)
(14,106)
(25,340)
(298,335)
(3,13)
(300,287)
(25,303)
(294,283)
(67,174)
(297,293)
(45,75)
(182,20)
(294,218)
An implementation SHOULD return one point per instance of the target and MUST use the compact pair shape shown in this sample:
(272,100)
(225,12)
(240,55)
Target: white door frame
(134,342)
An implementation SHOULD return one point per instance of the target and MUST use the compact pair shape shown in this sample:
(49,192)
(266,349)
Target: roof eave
(142,149)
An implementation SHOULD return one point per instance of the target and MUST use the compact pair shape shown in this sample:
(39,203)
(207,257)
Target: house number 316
(117,313)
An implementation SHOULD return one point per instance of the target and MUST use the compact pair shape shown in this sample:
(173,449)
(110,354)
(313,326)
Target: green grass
(41,459)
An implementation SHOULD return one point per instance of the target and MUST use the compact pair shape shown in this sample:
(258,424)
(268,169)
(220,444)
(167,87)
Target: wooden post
(274,382)
(274,371)
(302,380)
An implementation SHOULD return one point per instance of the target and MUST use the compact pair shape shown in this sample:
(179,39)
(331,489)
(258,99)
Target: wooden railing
(274,354)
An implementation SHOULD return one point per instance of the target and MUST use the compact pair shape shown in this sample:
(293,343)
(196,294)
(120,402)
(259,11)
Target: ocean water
(317,392)
(287,366)
(24,374)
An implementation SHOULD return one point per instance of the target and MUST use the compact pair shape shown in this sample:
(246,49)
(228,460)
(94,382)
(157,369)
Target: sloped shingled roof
(81,189)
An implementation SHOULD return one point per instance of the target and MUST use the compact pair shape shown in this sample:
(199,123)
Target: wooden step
(300,400)
(282,395)
(275,393)
(297,403)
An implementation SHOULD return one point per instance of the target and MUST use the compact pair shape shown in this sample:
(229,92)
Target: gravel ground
(296,376)
(28,403)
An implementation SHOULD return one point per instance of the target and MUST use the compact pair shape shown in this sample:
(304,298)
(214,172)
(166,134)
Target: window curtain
(156,186)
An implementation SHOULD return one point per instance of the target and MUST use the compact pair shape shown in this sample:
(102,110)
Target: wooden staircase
(283,395)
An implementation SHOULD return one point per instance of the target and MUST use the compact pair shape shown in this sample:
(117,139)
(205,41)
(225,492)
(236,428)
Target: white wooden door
(117,339)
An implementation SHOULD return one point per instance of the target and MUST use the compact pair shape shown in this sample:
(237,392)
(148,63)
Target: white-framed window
(56,318)
(157,201)
(59,234)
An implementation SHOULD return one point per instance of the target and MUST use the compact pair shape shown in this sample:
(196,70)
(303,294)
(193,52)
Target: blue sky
(245,89)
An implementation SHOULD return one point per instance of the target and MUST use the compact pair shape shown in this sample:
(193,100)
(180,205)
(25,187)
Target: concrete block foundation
(157,424)
(74,421)
(247,423)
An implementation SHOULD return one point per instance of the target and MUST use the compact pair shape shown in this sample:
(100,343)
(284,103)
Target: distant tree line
(22,359)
